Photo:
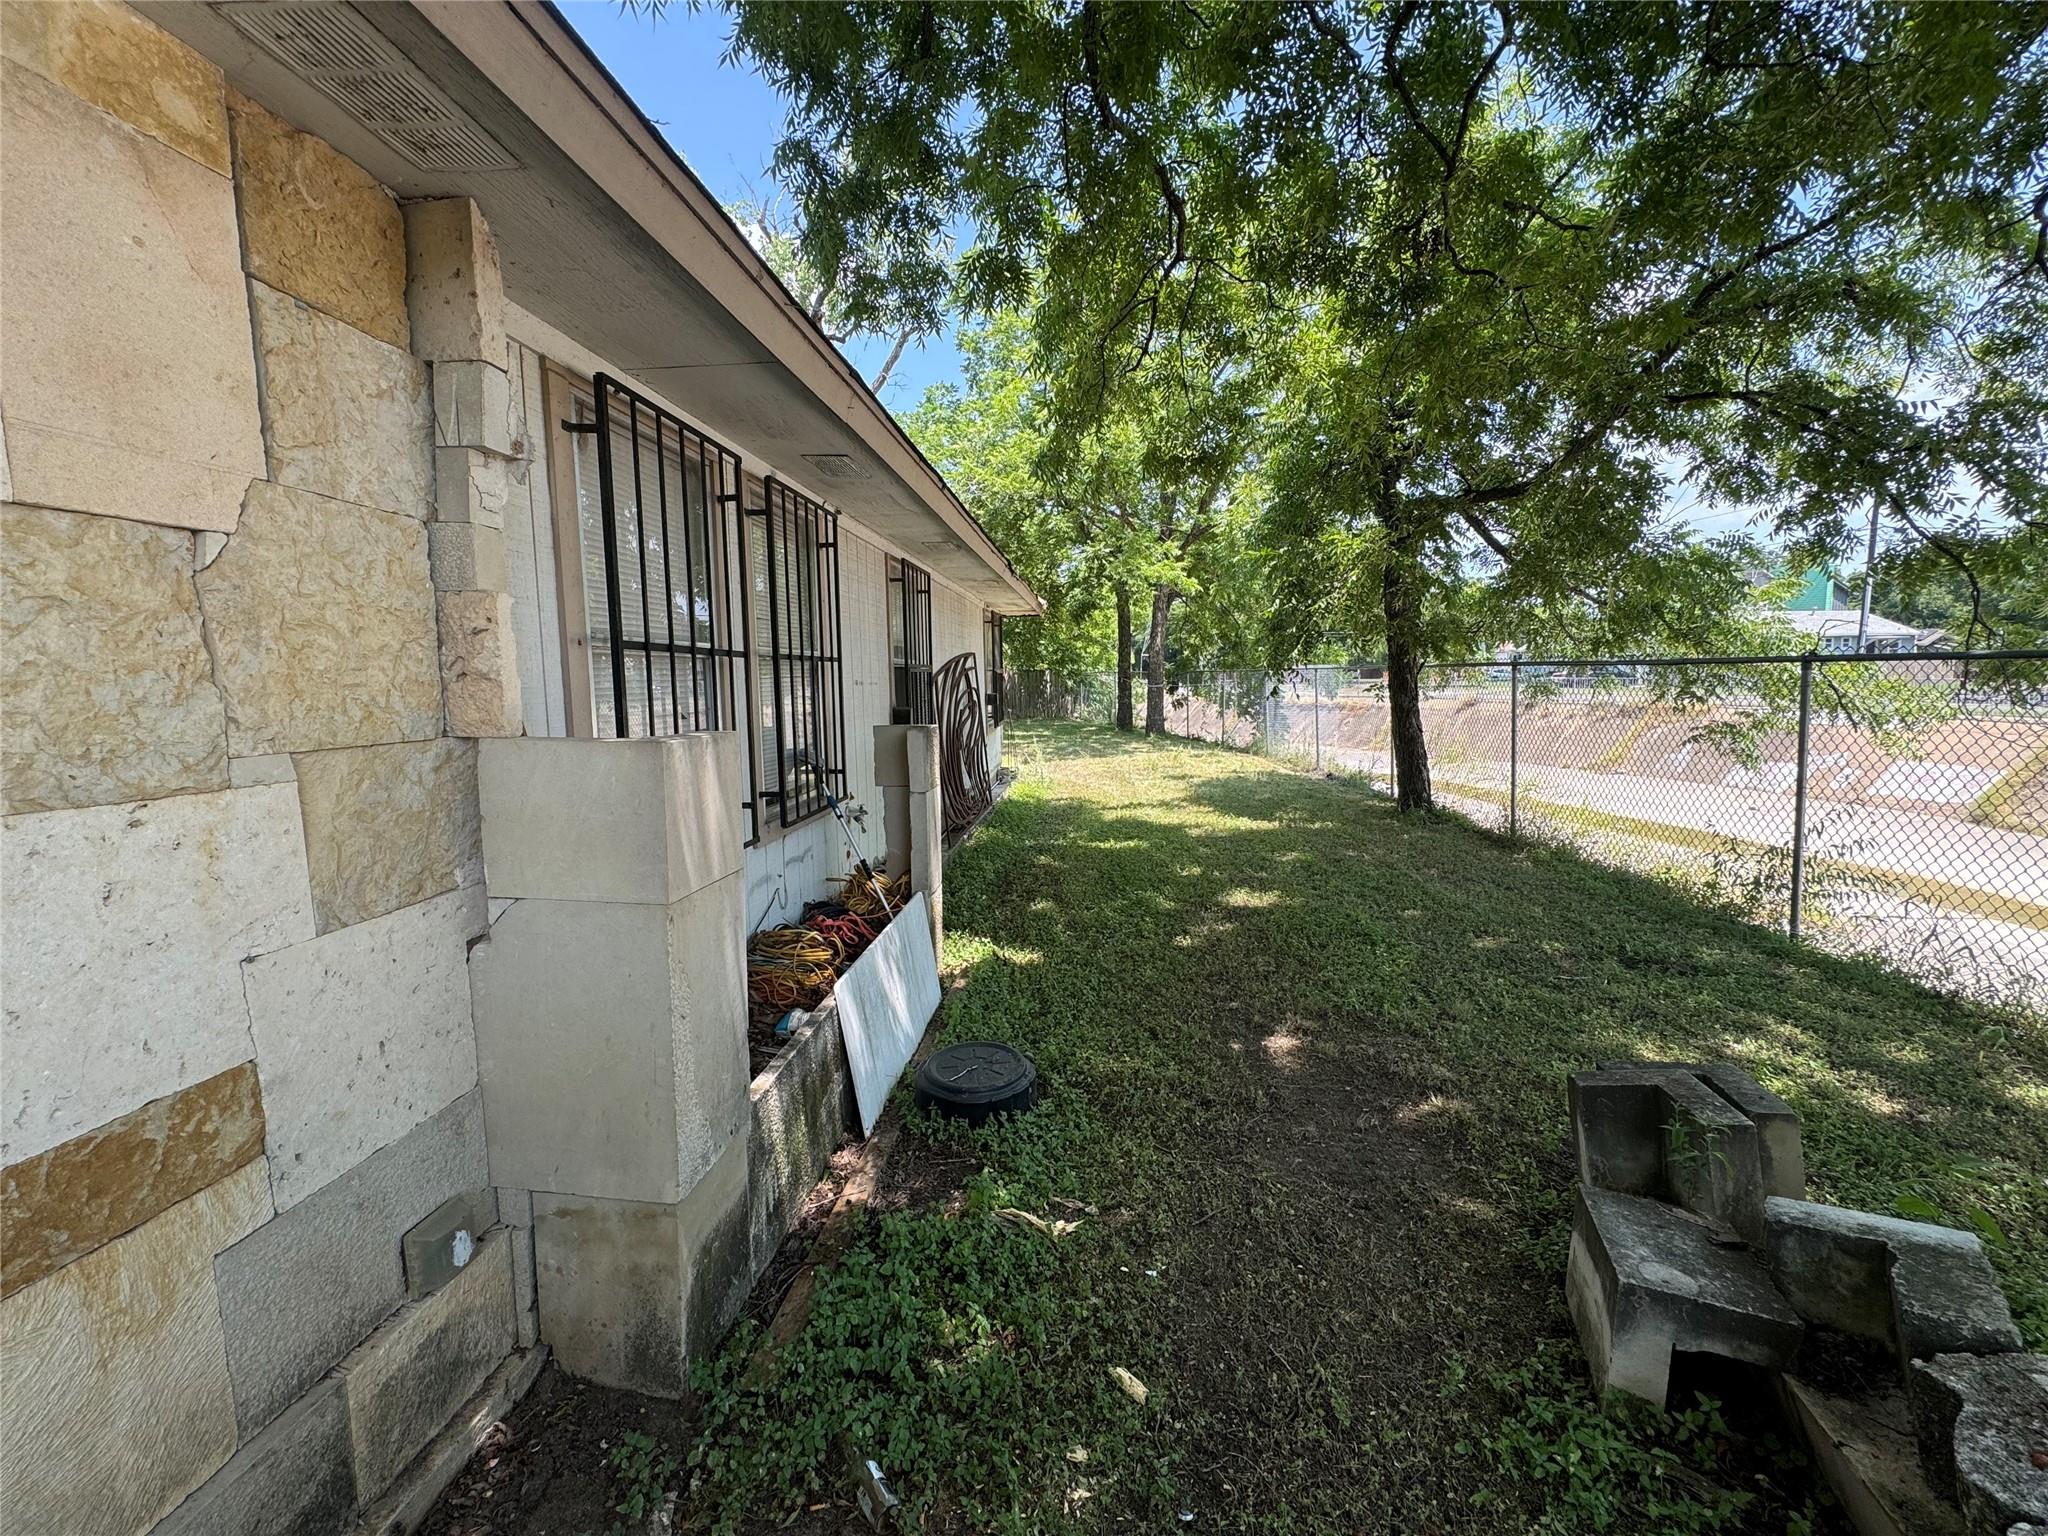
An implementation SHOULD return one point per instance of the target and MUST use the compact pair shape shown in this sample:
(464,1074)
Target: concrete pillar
(610,1008)
(907,773)
(455,296)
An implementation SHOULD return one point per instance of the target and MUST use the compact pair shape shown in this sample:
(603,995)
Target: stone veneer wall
(254,435)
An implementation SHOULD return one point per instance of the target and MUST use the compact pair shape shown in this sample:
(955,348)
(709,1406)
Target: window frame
(992,655)
(907,594)
(721,688)
(816,672)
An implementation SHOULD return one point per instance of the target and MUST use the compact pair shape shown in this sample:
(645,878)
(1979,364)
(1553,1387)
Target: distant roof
(1833,622)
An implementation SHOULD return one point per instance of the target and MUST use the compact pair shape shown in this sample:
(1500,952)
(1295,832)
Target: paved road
(1896,841)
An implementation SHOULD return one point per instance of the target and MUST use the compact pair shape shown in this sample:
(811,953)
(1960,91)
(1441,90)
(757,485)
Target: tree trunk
(1123,657)
(1155,662)
(1402,606)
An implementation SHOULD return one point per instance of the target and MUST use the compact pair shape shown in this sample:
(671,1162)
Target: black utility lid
(975,1079)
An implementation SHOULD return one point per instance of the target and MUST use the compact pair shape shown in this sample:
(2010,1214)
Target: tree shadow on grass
(1304,1059)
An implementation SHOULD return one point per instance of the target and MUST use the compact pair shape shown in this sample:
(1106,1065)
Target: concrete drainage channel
(1693,1236)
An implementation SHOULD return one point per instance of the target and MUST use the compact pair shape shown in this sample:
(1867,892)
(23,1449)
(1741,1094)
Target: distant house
(1822,591)
(1834,632)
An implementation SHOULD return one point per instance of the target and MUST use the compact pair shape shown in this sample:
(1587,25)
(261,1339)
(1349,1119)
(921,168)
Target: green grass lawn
(1304,1064)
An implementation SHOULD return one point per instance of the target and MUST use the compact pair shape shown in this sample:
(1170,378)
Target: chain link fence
(1893,807)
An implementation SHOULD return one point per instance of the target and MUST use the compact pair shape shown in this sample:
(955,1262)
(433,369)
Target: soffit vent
(333,48)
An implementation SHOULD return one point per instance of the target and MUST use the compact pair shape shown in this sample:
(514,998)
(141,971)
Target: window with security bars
(992,660)
(664,573)
(799,724)
(910,644)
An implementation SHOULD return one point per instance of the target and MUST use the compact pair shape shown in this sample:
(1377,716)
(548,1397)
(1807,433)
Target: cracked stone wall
(251,418)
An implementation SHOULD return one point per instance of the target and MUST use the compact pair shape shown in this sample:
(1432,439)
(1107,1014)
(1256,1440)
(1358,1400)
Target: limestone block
(344,415)
(466,557)
(269,768)
(107,693)
(454,288)
(62,1204)
(611,1042)
(525,1292)
(644,821)
(928,860)
(155,900)
(421,1365)
(295,1478)
(473,408)
(1982,1424)
(479,666)
(611,1284)
(129,384)
(114,1396)
(711,1224)
(632,1291)
(320,618)
(471,486)
(1777,1126)
(1646,1279)
(799,1110)
(361,1034)
(318,226)
(446,1240)
(109,55)
(1661,1131)
(302,1290)
(388,826)
(1861,1443)
(1919,1288)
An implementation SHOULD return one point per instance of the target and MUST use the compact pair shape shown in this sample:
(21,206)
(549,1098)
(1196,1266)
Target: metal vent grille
(333,48)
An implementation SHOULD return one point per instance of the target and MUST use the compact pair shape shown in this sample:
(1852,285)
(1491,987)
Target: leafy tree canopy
(1508,269)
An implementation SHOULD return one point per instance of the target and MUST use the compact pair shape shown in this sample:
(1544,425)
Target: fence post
(1514,745)
(1799,797)
(1315,675)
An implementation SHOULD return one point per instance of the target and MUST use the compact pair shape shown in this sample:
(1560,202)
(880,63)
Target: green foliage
(1988,591)
(1484,281)
(646,1474)
(1302,1065)
(1626,1467)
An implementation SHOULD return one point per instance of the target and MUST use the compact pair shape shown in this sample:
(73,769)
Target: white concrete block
(611,1042)
(607,820)
(126,928)
(362,1034)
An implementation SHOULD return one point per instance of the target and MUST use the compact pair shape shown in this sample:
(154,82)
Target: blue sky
(724,121)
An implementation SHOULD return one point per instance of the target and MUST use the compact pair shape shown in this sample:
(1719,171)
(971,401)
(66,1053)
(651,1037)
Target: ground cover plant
(1304,1063)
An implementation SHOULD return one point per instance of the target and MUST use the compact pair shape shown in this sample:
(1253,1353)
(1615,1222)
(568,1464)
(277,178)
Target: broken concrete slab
(1982,1424)
(1663,1132)
(1921,1289)
(1647,1278)
(1777,1124)
(1864,1447)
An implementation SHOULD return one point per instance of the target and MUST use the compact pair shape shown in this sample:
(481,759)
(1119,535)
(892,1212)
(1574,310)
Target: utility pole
(1869,577)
